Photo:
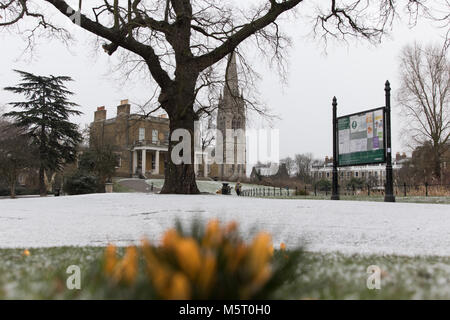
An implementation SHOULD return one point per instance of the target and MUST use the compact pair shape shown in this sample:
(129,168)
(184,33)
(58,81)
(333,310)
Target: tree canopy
(44,115)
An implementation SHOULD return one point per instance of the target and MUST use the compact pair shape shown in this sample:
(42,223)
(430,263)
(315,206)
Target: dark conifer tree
(45,116)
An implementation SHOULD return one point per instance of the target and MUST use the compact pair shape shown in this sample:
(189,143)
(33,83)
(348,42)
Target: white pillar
(205,164)
(157,163)
(135,161)
(144,161)
(195,164)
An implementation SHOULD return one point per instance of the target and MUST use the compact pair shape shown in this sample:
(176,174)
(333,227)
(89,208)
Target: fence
(400,190)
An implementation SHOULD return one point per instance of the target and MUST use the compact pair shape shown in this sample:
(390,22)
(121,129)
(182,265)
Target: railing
(400,190)
(151,143)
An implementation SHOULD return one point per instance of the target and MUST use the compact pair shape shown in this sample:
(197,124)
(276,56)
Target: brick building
(141,143)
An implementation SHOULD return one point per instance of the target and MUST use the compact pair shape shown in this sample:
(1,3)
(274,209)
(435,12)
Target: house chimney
(100,114)
(124,108)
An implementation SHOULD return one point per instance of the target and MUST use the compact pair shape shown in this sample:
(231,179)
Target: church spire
(232,82)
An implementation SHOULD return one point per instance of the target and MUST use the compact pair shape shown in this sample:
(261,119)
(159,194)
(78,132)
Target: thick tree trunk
(437,168)
(13,189)
(437,163)
(42,185)
(180,178)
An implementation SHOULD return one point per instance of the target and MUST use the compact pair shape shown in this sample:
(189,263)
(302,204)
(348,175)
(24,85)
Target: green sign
(361,138)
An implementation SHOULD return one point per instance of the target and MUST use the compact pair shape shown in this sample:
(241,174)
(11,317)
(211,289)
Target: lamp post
(335,186)
(389,192)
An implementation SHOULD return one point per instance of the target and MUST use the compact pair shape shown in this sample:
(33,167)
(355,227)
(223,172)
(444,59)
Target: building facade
(141,144)
(374,174)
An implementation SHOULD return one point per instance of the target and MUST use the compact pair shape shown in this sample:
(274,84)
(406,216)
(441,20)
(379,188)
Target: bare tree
(290,165)
(179,42)
(303,163)
(425,97)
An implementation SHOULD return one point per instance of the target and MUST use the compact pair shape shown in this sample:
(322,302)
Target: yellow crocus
(235,256)
(207,273)
(260,252)
(160,279)
(213,234)
(170,238)
(127,268)
(179,289)
(130,264)
(188,256)
(231,227)
(110,259)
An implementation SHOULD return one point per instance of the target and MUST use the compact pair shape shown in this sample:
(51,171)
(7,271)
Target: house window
(328,174)
(356,174)
(154,136)
(118,160)
(166,137)
(22,179)
(141,134)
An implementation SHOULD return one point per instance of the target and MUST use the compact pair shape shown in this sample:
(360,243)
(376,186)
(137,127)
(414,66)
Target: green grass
(42,275)
(120,188)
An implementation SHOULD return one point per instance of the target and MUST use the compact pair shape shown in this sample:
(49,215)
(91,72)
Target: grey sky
(354,73)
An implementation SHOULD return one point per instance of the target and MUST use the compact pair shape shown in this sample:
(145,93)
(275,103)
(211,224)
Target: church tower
(231,116)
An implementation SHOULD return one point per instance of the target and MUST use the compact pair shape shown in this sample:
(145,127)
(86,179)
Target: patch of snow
(323,226)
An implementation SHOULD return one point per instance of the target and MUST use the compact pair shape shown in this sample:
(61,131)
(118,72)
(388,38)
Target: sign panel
(361,138)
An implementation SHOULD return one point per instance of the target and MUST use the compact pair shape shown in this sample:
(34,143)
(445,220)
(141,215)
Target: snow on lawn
(324,226)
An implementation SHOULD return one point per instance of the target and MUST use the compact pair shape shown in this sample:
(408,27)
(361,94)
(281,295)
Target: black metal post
(335,186)
(426,189)
(389,192)
(404,188)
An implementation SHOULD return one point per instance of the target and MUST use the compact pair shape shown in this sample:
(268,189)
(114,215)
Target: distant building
(141,144)
(274,171)
(376,173)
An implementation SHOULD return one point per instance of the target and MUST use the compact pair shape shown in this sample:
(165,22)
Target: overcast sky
(354,73)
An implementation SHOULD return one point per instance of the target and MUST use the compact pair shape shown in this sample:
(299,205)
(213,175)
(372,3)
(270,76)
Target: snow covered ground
(325,226)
